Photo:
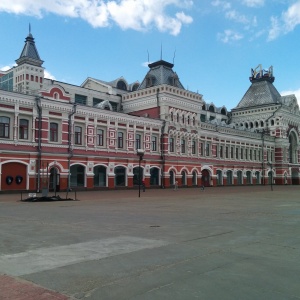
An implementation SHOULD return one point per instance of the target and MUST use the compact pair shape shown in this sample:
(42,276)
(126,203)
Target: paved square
(223,243)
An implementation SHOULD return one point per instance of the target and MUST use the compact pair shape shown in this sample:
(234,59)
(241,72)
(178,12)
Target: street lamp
(140,153)
(271,166)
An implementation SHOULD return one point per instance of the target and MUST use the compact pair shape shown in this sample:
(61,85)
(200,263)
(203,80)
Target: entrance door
(205,178)
(54,184)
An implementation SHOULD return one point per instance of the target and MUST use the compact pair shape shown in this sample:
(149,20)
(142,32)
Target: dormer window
(150,81)
(122,85)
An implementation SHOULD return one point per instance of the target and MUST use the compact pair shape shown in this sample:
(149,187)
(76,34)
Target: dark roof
(161,72)
(29,53)
(260,92)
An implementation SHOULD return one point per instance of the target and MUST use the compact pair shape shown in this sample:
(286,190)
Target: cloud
(223,4)
(5,68)
(49,75)
(140,15)
(229,36)
(254,3)
(286,22)
(296,93)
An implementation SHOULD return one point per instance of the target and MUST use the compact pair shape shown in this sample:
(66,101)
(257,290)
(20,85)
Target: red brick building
(56,136)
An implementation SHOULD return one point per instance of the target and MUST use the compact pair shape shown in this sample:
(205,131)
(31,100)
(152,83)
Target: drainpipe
(70,148)
(263,144)
(162,148)
(39,158)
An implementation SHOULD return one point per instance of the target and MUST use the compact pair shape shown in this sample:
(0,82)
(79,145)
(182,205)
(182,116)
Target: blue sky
(214,44)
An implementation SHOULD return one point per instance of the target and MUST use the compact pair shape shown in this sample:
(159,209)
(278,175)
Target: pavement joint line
(208,236)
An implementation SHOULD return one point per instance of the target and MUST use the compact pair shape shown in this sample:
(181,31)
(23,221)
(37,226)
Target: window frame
(78,135)
(4,127)
(23,129)
(53,132)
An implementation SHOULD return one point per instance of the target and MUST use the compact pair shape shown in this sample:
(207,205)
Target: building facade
(58,136)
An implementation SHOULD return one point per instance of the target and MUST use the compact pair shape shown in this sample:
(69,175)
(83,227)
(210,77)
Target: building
(57,136)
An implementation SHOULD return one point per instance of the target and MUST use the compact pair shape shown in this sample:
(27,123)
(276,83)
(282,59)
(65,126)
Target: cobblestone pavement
(221,243)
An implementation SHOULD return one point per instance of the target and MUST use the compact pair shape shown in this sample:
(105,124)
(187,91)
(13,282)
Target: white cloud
(296,93)
(235,16)
(138,15)
(286,22)
(5,68)
(48,75)
(254,3)
(229,36)
(223,4)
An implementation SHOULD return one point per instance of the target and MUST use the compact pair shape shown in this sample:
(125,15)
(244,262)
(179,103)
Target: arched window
(211,108)
(121,85)
(172,116)
(223,111)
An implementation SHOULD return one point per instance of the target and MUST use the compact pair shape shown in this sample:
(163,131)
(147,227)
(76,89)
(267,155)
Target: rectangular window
(78,135)
(207,149)
(23,129)
(255,155)
(227,152)
(193,147)
(246,153)
(154,143)
(231,152)
(138,139)
(80,99)
(221,151)
(120,139)
(236,153)
(171,142)
(53,132)
(250,154)
(202,149)
(100,137)
(242,153)
(182,145)
(96,101)
(4,127)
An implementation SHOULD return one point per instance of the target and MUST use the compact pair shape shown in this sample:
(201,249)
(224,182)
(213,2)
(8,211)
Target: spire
(29,53)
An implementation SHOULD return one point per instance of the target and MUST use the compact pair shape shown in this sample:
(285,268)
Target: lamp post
(140,153)
(271,166)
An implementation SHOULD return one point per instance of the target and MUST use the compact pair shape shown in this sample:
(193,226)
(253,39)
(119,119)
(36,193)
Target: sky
(212,43)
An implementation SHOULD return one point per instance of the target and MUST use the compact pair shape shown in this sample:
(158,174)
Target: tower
(29,73)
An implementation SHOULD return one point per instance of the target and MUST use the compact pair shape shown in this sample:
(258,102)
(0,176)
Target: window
(138,139)
(193,147)
(231,152)
(80,99)
(171,142)
(227,152)
(202,149)
(23,129)
(120,139)
(182,145)
(221,151)
(4,127)
(242,153)
(100,137)
(53,132)
(154,143)
(78,135)
(207,149)
(237,153)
